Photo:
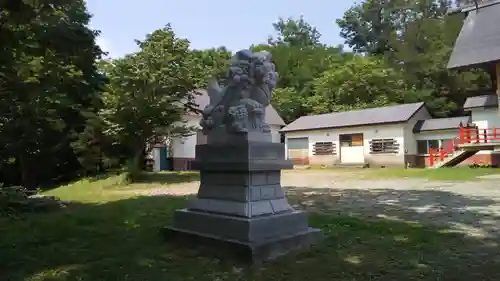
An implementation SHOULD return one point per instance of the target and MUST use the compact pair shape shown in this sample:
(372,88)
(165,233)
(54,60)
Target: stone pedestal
(241,206)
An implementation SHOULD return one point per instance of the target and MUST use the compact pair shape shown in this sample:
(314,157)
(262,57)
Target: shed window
(422,147)
(384,146)
(434,144)
(351,140)
(324,148)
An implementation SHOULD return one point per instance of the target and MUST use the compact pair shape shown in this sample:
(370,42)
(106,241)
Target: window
(384,146)
(434,144)
(324,148)
(351,140)
(422,147)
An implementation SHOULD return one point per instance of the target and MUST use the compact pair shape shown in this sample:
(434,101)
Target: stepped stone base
(241,209)
(245,252)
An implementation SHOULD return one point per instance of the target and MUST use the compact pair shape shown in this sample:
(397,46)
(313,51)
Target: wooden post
(485,135)
(461,134)
(431,157)
(441,154)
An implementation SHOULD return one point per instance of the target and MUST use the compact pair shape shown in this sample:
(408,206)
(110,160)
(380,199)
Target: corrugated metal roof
(479,39)
(440,124)
(481,101)
(272,117)
(380,115)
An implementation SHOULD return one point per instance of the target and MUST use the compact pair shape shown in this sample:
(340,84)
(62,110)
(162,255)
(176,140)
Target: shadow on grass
(120,240)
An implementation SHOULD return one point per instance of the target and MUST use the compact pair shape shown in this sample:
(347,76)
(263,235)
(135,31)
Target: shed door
(298,150)
(352,149)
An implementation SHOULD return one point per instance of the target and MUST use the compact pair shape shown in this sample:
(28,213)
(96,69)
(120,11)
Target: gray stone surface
(239,228)
(240,202)
(240,106)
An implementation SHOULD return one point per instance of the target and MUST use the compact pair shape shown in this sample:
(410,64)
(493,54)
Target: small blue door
(164,159)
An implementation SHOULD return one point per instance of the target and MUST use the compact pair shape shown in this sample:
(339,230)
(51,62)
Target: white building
(182,150)
(485,114)
(378,137)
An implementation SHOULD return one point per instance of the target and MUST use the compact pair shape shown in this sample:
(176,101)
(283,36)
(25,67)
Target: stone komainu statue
(240,106)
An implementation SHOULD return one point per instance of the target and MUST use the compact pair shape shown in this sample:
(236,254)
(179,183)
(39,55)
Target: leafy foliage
(48,84)
(16,199)
(362,82)
(416,38)
(148,94)
(299,59)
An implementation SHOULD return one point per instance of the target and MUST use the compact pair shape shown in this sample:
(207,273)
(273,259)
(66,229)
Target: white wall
(486,118)
(185,147)
(394,131)
(410,143)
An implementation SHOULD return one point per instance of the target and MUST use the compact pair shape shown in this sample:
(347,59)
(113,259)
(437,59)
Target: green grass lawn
(107,235)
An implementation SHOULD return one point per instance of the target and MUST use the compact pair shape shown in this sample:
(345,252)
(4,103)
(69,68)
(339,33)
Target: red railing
(476,135)
(439,154)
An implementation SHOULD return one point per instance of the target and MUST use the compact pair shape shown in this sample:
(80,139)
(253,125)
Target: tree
(299,58)
(371,26)
(208,64)
(295,33)
(49,84)
(416,38)
(149,93)
(362,82)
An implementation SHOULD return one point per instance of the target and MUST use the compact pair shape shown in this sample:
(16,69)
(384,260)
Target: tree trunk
(28,173)
(135,164)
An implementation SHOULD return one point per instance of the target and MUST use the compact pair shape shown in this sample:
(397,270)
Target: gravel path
(467,207)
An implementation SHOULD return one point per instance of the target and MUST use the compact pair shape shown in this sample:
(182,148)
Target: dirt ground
(470,207)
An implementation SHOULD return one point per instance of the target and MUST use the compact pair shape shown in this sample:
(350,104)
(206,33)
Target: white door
(352,149)
(298,150)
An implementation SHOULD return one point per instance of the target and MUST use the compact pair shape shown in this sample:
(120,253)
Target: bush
(17,199)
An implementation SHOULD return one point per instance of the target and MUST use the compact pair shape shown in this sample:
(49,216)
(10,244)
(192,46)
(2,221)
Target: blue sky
(208,23)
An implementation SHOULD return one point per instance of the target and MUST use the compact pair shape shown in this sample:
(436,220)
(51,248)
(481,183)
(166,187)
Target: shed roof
(479,40)
(202,99)
(481,102)
(440,124)
(370,116)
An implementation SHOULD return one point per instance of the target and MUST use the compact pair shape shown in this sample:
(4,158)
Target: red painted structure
(467,135)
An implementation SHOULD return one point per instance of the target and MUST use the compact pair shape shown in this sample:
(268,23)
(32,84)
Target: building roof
(479,40)
(272,117)
(440,124)
(481,102)
(371,116)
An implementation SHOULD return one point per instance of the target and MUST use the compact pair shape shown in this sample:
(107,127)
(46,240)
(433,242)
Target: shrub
(17,199)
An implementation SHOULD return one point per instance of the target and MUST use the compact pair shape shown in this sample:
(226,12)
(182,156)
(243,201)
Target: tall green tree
(48,85)
(148,94)
(372,26)
(299,57)
(208,64)
(362,82)
(295,33)
(416,38)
